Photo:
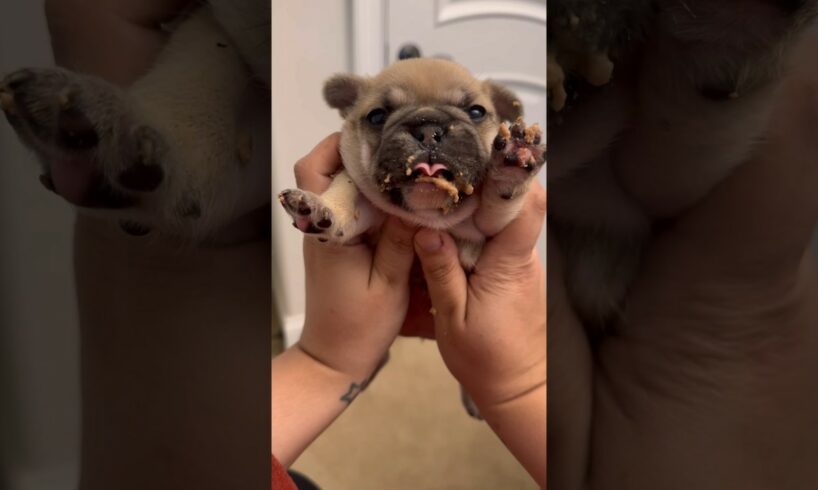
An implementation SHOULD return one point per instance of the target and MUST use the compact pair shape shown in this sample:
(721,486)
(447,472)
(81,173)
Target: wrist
(521,423)
(317,370)
(350,355)
(358,372)
(531,395)
(306,396)
(501,387)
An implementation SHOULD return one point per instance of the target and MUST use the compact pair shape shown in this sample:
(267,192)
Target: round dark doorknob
(408,51)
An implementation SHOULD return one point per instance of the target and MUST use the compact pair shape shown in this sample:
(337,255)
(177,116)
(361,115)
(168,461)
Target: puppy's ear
(507,105)
(342,91)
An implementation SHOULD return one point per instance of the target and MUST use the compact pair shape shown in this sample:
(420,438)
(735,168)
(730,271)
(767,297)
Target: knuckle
(441,272)
(513,268)
(402,243)
(301,169)
(399,237)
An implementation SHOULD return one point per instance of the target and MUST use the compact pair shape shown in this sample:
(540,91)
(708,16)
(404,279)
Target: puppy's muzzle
(428,135)
(429,143)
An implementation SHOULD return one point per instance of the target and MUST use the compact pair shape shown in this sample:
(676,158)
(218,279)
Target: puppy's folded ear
(342,91)
(507,105)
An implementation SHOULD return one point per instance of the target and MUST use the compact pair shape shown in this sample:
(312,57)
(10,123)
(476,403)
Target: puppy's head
(417,138)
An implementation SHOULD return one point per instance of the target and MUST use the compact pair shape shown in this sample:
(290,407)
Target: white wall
(310,43)
(39,389)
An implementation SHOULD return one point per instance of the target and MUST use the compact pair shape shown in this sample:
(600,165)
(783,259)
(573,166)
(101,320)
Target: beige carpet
(409,431)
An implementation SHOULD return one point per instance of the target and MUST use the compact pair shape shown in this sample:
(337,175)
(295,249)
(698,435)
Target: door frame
(369,36)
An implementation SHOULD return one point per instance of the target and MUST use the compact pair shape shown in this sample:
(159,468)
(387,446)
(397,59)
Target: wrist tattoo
(355,389)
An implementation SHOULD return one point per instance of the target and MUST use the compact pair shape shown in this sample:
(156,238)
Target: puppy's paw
(95,153)
(112,151)
(65,117)
(312,216)
(43,105)
(518,155)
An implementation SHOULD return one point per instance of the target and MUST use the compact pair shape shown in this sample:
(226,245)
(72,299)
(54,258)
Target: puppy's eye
(376,117)
(476,112)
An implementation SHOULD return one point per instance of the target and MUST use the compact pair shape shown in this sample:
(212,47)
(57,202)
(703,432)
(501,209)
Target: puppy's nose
(428,134)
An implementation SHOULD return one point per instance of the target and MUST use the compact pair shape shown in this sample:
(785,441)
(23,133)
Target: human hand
(490,328)
(711,379)
(91,37)
(357,295)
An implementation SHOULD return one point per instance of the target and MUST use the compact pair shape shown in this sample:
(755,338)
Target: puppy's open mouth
(438,178)
(434,170)
(428,185)
(435,186)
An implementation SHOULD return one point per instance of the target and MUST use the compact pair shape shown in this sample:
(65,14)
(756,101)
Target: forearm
(92,36)
(306,397)
(521,425)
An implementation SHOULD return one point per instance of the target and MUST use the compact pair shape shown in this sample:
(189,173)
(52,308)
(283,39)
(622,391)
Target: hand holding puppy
(353,313)
(491,327)
(357,298)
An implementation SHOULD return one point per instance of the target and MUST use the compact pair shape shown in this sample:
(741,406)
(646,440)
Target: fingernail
(429,241)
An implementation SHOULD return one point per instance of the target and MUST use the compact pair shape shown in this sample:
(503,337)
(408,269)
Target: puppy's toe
(144,172)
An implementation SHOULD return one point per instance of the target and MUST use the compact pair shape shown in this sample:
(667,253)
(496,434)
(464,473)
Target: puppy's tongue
(73,178)
(430,170)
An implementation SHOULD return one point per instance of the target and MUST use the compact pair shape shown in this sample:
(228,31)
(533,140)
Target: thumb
(516,242)
(394,253)
(445,277)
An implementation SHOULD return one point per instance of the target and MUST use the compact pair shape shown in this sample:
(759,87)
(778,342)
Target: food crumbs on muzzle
(443,185)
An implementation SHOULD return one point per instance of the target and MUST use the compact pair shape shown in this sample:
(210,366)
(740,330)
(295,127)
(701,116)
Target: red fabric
(281,480)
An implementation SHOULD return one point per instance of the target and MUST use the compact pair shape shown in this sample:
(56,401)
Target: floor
(409,431)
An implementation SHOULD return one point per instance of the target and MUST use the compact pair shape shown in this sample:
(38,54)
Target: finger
(90,37)
(394,253)
(517,240)
(445,277)
(761,219)
(314,171)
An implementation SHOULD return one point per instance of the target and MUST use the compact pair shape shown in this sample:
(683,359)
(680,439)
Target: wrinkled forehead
(425,84)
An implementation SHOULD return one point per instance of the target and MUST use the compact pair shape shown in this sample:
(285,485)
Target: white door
(501,40)
(504,40)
